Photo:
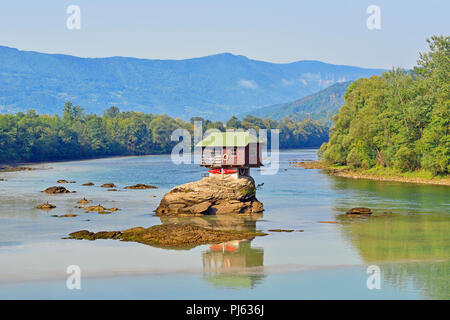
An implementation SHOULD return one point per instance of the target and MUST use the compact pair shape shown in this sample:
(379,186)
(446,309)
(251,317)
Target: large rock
(212,195)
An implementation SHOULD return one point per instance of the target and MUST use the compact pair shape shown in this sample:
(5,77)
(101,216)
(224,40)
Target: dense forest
(398,121)
(29,137)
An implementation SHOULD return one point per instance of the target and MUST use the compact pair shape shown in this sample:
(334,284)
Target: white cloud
(286,82)
(248,84)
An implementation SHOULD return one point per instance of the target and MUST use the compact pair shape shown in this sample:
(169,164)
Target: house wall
(238,159)
(245,156)
(253,154)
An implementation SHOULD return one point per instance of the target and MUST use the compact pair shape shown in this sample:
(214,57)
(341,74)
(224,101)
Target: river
(328,255)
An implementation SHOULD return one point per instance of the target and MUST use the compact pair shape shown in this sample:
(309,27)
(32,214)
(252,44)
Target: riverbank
(378,174)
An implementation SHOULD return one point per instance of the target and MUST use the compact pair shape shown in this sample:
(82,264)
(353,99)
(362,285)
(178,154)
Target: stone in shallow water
(69,215)
(168,235)
(361,210)
(100,209)
(108,185)
(56,190)
(280,230)
(141,186)
(45,206)
(83,201)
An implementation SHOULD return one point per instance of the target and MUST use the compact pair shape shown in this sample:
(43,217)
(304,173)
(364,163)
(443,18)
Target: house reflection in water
(234,264)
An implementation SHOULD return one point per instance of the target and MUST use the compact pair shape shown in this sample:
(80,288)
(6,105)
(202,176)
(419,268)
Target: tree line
(31,137)
(400,120)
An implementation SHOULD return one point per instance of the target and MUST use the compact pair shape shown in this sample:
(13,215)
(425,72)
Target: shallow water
(407,237)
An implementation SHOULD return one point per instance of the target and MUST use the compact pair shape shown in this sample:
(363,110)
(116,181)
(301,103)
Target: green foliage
(293,134)
(28,137)
(400,120)
(248,191)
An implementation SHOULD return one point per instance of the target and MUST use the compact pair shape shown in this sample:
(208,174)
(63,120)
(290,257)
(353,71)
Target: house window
(234,151)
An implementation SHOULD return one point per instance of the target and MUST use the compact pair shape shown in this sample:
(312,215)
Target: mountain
(320,106)
(213,87)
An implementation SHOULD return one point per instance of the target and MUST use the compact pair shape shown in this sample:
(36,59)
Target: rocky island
(212,195)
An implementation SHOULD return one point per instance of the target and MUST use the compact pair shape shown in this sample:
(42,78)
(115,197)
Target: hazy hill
(320,106)
(214,87)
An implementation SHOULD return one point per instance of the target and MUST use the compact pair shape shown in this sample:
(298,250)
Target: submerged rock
(62,181)
(212,195)
(45,206)
(97,208)
(88,184)
(100,209)
(168,235)
(141,186)
(361,210)
(69,215)
(83,201)
(13,168)
(108,185)
(55,190)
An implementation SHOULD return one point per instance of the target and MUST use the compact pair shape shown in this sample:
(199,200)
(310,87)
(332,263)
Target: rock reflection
(232,264)
(221,222)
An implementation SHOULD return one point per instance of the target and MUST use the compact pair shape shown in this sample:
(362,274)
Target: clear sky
(278,31)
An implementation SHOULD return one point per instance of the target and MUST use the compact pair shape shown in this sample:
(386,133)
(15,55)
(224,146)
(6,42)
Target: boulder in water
(212,195)
(56,190)
(108,185)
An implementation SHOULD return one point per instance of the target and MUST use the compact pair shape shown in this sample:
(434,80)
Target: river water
(327,256)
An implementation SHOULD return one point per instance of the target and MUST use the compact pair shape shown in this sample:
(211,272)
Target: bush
(406,159)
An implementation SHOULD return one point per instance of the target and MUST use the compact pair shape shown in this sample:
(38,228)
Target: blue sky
(276,31)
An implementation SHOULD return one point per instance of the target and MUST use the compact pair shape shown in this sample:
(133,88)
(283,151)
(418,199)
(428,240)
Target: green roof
(229,139)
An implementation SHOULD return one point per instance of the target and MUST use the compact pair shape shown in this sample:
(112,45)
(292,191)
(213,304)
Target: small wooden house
(231,153)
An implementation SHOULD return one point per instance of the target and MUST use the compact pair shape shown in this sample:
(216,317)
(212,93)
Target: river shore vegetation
(396,124)
(32,137)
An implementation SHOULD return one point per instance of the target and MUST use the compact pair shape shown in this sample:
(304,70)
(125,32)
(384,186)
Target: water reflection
(390,196)
(411,249)
(221,222)
(233,264)
(408,236)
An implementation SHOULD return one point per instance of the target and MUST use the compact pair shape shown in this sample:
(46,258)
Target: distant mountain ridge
(320,106)
(214,87)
